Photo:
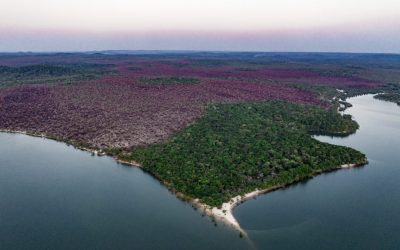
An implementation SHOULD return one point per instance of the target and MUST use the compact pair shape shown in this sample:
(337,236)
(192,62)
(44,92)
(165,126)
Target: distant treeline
(51,73)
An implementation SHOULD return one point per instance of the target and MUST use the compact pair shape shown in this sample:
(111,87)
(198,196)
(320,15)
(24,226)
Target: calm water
(55,197)
(348,209)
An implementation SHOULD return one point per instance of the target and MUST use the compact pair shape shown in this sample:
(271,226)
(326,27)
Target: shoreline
(94,152)
(223,214)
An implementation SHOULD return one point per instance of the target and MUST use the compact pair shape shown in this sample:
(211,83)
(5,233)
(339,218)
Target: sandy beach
(225,213)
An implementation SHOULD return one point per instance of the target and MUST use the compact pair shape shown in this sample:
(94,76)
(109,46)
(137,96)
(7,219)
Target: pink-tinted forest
(124,101)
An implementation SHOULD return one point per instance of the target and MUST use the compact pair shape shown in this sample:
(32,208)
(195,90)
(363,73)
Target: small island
(390,97)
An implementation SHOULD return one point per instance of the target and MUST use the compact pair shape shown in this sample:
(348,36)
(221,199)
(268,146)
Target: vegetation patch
(169,80)
(47,73)
(135,68)
(390,97)
(236,148)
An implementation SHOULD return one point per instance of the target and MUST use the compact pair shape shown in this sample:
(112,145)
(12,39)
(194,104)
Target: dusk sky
(245,25)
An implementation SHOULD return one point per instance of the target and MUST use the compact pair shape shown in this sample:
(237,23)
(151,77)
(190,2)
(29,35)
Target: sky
(227,25)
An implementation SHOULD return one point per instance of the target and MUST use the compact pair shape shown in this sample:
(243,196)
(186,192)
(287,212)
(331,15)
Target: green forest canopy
(236,148)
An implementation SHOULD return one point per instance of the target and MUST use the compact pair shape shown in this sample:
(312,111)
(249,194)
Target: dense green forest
(389,92)
(169,80)
(236,148)
(57,73)
(391,97)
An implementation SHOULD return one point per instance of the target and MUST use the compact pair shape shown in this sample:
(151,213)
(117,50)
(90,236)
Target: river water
(56,197)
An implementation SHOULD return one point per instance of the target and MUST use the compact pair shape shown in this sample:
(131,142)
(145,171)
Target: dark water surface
(56,197)
(347,209)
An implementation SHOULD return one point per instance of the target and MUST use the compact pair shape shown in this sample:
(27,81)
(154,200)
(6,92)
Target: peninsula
(215,128)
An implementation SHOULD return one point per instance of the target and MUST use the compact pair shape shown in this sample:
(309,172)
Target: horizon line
(160,51)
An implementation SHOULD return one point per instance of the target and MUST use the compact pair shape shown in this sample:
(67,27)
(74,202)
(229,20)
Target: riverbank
(94,152)
(223,214)
(389,97)
(215,169)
